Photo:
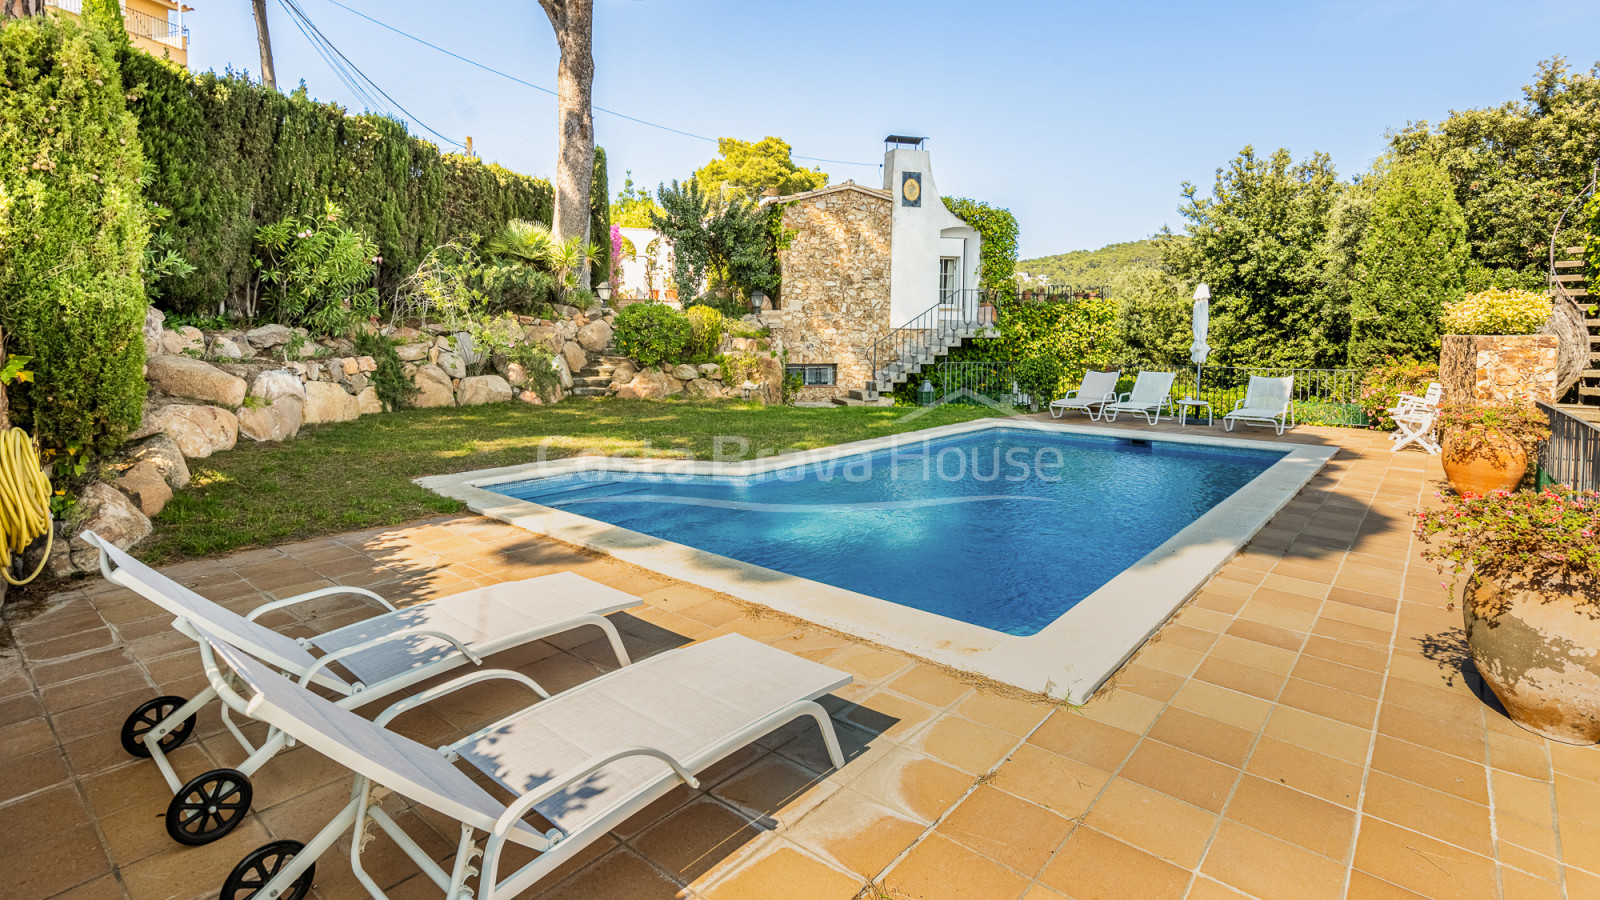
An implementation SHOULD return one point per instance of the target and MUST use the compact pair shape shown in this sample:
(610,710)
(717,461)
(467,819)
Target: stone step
(862,394)
(583,391)
(852,401)
(598,381)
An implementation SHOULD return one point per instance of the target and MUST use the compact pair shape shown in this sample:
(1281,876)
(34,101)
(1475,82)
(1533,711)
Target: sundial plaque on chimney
(910,188)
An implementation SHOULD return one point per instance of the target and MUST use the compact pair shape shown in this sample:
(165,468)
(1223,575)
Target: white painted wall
(920,235)
(632,278)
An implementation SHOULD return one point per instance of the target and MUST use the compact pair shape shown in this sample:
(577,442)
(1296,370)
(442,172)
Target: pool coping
(1069,658)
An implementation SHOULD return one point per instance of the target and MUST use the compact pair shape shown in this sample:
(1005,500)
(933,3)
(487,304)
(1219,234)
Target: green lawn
(337,478)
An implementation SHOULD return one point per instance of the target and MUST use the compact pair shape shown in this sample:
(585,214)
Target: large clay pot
(1539,651)
(1498,468)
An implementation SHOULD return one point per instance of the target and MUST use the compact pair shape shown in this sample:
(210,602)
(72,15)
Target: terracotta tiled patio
(1305,727)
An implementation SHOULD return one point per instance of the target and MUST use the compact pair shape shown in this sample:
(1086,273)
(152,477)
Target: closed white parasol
(1202,324)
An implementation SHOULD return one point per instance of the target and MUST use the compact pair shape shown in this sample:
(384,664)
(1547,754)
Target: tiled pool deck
(1302,729)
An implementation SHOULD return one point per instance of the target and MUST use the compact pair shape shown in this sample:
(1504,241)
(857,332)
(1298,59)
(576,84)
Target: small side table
(1188,403)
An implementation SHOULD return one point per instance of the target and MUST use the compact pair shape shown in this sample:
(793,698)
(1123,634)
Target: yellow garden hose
(24,501)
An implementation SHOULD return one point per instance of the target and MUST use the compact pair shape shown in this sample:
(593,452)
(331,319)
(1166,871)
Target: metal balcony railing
(137,24)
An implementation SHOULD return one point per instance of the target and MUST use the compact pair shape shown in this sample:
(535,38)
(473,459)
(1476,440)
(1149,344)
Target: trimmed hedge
(73,231)
(228,156)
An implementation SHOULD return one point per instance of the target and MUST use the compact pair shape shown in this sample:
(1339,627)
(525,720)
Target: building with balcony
(154,26)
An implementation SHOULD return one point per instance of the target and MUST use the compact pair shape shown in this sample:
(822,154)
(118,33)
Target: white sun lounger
(1151,391)
(584,760)
(383,654)
(1266,402)
(1096,390)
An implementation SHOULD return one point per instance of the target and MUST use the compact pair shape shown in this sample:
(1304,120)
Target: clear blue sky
(1082,118)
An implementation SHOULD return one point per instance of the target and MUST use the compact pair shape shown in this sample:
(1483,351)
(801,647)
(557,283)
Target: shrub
(1383,384)
(73,232)
(394,389)
(705,331)
(540,365)
(1497,311)
(652,333)
(997,254)
(322,271)
(228,155)
(739,367)
(1473,429)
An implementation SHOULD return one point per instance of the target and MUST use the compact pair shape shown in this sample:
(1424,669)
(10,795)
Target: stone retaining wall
(1499,367)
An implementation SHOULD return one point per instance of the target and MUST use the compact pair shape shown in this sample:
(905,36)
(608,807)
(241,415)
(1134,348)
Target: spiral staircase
(1576,317)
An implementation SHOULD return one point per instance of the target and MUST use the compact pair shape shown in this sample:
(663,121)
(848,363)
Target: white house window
(949,280)
(815,375)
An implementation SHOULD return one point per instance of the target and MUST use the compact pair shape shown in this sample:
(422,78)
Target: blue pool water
(1005,528)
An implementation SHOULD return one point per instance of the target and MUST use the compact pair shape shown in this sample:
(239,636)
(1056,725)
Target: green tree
(732,251)
(73,230)
(1411,262)
(997,252)
(1091,268)
(633,206)
(1153,312)
(1255,241)
(600,220)
(1516,166)
(745,170)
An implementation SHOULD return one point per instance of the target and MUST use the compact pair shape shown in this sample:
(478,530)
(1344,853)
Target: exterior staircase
(594,379)
(903,353)
(1567,280)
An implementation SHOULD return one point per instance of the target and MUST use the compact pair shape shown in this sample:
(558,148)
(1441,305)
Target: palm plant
(532,244)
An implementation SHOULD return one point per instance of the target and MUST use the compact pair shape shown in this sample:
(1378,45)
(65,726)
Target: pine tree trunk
(573,21)
(268,77)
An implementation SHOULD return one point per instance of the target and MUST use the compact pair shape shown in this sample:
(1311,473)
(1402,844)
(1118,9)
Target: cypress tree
(1411,262)
(600,219)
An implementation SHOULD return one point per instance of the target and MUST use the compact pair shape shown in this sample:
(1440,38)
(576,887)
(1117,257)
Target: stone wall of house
(835,300)
(1499,367)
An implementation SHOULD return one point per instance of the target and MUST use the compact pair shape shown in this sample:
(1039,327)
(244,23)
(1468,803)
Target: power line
(525,83)
(348,72)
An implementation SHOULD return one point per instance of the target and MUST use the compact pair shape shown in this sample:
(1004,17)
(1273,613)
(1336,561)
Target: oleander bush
(73,232)
(1497,311)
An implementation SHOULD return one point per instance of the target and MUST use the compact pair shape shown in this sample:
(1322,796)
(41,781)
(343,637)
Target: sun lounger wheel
(208,807)
(148,715)
(259,865)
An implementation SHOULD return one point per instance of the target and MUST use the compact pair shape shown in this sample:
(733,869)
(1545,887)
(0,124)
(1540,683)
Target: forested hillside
(1091,267)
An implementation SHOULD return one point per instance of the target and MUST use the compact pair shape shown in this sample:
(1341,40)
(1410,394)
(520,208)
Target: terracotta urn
(1498,464)
(1539,651)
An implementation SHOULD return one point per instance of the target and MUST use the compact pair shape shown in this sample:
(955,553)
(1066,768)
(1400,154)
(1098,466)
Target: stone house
(877,282)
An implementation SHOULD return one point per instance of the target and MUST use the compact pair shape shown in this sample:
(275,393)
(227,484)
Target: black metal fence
(1320,396)
(1572,455)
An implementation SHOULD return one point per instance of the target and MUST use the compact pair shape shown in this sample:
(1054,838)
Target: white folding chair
(584,760)
(1414,419)
(380,655)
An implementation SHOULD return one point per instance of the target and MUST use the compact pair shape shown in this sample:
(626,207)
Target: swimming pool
(1005,529)
(1039,572)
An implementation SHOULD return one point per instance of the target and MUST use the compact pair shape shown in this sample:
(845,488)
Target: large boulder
(163,452)
(623,373)
(327,402)
(275,384)
(412,352)
(274,420)
(647,385)
(187,339)
(710,370)
(481,389)
(154,320)
(705,387)
(198,430)
(685,372)
(191,379)
(563,371)
(143,484)
(433,387)
(548,335)
(367,402)
(268,336)
(771,380)
(515,374)
(575,356)
(225,348)
(452,364)
(111,516)
(595,336)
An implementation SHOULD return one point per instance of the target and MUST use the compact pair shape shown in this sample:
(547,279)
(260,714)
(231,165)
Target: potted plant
(1485,443)
(1531,603)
